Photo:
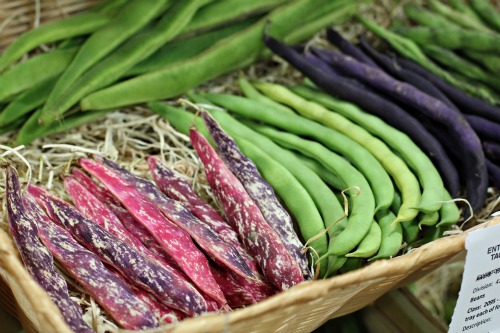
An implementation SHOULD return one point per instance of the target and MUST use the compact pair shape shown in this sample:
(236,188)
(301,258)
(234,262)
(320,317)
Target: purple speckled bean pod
(129,222)
(174,240)
(112,206)
(259,190)
(221,252)
(108,290)
(37,258)
(93,209)
(236,295)
(232,286)
(244,215)
(163,313)
(179,189)
(147,274)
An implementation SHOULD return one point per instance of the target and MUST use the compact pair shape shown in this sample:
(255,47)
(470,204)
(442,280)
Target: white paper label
(478,305)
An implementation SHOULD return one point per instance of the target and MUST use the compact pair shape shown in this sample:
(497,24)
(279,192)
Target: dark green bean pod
(130,19)
(26,102)
(487,12)
(136,49)
(239,51)
(34,71)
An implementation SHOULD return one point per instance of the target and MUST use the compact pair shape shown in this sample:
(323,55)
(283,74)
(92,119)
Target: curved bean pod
(392,235)
(110,291)
(131,18)
(38,261)
(244,215)
(34,71)
(363,204)
(136,49)
(369,245)
(259,189)
(334,139)
(403,177)
(61,29)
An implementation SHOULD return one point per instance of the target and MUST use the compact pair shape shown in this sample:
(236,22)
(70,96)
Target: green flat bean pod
(131,18)
(426,17)
(134,50)
(453,38)
(26,102)
(362,200)
(176,51)
(392,235)
(369,245)
(223,12)
(241,50)
(468,20)
(54,31)
(405,180)
(409,49)
(489,61)
(361,158)
(429,177)
(34,71)
(454,62)
(487,12)
(31,129)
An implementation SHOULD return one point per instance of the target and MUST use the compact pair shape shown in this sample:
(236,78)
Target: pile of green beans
(453,40)
(358,189)
(165,46)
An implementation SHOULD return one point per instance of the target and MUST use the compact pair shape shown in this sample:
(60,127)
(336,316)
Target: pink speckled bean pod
(259,190)
(221,252)
(179,189)
(90,207)
(158,279)
(244,215)
(109,291)
(128,221)
(137,230)
(174,240)
(36,257)
(163,313)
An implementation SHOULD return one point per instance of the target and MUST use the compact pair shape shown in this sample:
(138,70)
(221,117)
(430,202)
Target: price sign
(478,305)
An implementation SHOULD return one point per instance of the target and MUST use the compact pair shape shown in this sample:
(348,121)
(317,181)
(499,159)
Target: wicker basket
(300,309)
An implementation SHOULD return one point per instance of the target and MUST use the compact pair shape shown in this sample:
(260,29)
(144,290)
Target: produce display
(376,149)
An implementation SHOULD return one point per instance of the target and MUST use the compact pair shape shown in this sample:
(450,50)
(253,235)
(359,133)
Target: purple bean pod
(36,257)
(111,292)
(220,251)
(259,190)
(160,280)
